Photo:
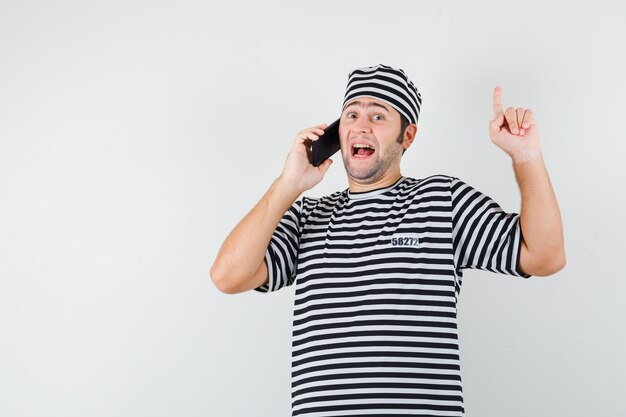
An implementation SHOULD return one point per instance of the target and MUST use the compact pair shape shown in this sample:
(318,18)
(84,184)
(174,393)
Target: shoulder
(309,204)
(435,180)
(313,201)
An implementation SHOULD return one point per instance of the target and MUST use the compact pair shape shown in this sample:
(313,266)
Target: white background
(135,135)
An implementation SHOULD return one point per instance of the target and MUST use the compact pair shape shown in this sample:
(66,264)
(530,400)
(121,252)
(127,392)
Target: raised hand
(514,130)
(298,170)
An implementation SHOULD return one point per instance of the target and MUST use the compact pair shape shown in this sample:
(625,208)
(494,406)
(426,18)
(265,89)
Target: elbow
(561,264)
(219,281)
(551,266)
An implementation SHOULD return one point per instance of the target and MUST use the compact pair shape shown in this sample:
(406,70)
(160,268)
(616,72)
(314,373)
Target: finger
(529,119)
(519,113)
(318,129)
(307,131)
(309,135)
(499,121)
(303,139)
(511,119)
(497,102)
(496,125)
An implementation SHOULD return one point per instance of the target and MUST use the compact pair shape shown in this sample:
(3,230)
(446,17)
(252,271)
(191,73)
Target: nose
(361,125)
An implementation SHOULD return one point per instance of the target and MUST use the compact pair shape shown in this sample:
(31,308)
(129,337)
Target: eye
(378,115)
(349,114)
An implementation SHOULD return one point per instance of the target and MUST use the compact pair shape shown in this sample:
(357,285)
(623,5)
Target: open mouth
(362,151)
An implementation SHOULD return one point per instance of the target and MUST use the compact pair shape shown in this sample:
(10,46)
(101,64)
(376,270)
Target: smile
(361,151)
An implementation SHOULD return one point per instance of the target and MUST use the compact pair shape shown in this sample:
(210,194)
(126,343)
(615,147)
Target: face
(372,122)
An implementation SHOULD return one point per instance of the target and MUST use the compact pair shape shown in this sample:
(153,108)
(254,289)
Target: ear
(409,135)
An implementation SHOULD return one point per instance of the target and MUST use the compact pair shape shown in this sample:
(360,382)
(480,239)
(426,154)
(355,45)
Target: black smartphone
(327,144)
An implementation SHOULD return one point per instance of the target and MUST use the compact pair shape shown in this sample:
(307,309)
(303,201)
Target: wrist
(288,187)
(527,156)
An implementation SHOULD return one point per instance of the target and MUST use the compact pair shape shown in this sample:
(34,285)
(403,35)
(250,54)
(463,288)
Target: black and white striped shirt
(378,275)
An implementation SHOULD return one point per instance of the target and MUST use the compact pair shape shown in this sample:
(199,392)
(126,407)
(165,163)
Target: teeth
(361,145)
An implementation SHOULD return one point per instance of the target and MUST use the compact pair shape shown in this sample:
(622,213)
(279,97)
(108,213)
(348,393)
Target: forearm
(243,251)
(540,217)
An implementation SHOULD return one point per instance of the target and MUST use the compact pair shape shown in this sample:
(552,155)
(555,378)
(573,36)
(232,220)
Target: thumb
(324,167)
(496,124)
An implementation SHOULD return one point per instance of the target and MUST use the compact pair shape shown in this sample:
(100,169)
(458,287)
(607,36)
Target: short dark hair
(404,123)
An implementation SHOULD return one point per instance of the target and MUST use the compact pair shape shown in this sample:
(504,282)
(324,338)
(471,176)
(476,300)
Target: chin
(371,172)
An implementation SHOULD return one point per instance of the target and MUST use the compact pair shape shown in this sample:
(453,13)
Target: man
(378,267)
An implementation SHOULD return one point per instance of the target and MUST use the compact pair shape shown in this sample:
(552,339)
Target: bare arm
(542,251)
(241,258)
(240,262)
(543,248)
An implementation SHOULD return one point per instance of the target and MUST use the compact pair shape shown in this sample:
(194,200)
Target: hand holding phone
(298,173)
(327,144)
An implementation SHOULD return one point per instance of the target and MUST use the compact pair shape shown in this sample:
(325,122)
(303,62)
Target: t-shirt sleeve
(282,251)
(484,236)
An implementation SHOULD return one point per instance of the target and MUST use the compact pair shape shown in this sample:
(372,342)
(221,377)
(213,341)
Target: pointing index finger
(497,102)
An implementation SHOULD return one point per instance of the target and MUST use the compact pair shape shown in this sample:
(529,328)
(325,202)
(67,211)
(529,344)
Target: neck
(387,179)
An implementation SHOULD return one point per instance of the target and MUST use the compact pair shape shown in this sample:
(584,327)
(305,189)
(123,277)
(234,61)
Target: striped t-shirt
(378,274)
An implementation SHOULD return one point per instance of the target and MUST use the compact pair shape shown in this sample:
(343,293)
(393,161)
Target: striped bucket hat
(387,84)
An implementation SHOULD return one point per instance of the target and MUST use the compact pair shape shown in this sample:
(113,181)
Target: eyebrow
(358,103)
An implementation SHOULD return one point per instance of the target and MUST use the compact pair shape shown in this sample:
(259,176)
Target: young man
(378,266)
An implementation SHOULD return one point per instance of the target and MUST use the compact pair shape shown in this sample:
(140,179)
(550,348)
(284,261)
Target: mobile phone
(326,145)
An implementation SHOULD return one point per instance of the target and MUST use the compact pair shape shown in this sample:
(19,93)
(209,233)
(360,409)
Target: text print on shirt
(404,240)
